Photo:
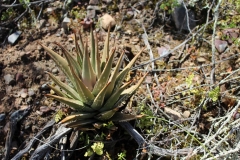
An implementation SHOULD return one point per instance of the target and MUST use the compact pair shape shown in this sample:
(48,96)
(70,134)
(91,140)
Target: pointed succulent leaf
(79,123)
(59,60)
(106,115)
(84,93)
(97,58)
(98,101)
(114,97)
(105,54)
(78,116)
(81,45)
(121,117)
(88,75)
(78,51)
(71,61)
(93,52)
(133,88)
(64,86)
(103,79)
(76,104)
(57,91)
(121,76)
(114,76)
(134,59)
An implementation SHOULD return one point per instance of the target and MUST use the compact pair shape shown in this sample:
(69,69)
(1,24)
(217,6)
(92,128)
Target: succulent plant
(96,89)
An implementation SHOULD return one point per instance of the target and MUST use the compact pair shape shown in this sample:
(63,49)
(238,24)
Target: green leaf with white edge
(103,116)
(84,93)
(114,76)
(79,123)
(88,75)
(121,76)
(76,104)
(133,88)
(64,86)
(134,59)
(60,61)
(93,52)
(78,51)
(105,54)
(121,117)
(103,79)
(81,45)
(97,57)
(98,101)
(114,97)
(71,60)
(129,92)
(78,116)
(57,91)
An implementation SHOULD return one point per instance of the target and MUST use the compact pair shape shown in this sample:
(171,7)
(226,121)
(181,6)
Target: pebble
(13,37)
(221,45)
(9,79)
(93,2)
(2,117)
(107,21)
(201,59)
(186,114)
(19,77)
(44,86)
(55,70)
(31,92)
(23,93)
(44,109)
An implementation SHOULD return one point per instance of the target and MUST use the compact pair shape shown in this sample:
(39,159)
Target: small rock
(221,45)
(2,117)
(31,92)
(23,93)
(44,86)
(9,79)
(180,18)
(162,51)
(55,70)
(186,114)
(129,15)
(201,59)
(8,90)
(65,24)
(93,2)
(91,13)
(173,114)
(44,109)
(13,37)
(107,1)
(107,21)
(40,24)
(19,77)
(96,8)
(49,10)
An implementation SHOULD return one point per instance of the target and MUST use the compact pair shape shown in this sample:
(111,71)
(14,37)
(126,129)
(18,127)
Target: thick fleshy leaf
(119,80)
(106,115)
(76,104)
(71,60)
(93,52)
(105,54)
(64,86)
(79,123)
(59,60)
(84,93)
(121,117)
(114,76)
(103,79)
(57,91)
(98,101)
(78,116)
(97,57)
(88,75)
(114,97)
(124,72)
(78,51)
